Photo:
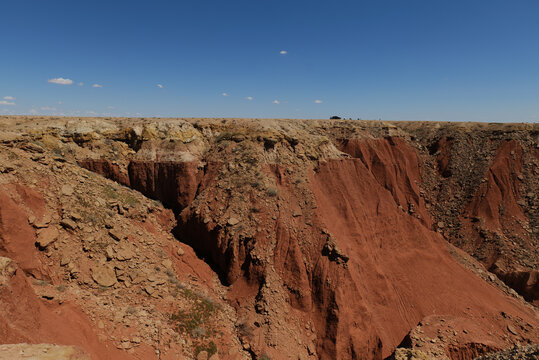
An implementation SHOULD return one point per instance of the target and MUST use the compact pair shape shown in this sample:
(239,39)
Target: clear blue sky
(465,60)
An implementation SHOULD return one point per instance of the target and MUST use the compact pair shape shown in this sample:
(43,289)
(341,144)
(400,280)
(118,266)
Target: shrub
(272,192)
(210,348)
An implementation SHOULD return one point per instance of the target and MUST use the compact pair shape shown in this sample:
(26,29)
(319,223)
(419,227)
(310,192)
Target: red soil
(495,212)
(400,271)
(385,269)
(23,316)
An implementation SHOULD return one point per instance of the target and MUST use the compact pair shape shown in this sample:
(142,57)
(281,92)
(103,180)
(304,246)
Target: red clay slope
(23,317)
(400,270)
(496,211)
(367,268)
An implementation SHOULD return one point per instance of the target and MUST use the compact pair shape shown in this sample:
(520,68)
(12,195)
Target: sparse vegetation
(226,136)
(196,321)
(272,192)
(110,192)
(124,197)
(210,348)
(40,282)
(83,201)
(245,330)
(199,313)
(11,155)
(130,200)
(130,310)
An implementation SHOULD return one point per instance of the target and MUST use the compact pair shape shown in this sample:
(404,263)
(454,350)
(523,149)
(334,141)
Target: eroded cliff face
(484,196)
(333,239)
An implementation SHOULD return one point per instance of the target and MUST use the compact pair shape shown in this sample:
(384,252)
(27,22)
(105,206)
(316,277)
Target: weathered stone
(203,355)
(109,252)
(46,237)
(43,223)
(7,269)
(124,253)
(512,330)
(104,275)
(233,221)
(311,349)
(68,224)
(115,234)
(41,352)
(67,190)
(75,216)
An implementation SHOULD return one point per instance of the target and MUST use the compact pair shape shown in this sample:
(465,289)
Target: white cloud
(276,102)
(9,98)
(160,86)
(59,103)
(283,52)
(61,81)
(97,86)
(80,84)
(47,108)
(224,94)
(249,98)
(111,107)
(32,112)
(318,101)
(3,102)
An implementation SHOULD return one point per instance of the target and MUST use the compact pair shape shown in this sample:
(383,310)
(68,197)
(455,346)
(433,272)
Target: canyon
(148,238)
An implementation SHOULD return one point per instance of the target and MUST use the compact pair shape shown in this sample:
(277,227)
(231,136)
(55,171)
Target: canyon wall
(330,239)
(347,243)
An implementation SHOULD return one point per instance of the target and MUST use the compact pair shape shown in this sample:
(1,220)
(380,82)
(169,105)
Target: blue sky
(466,60)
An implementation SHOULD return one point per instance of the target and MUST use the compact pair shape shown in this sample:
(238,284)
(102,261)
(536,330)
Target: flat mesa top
(12,122)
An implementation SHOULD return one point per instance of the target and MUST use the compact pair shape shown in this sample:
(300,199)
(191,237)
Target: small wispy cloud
(80,84)
(249,98)
(60,103)
(276,102)
(111,107)
(283,52)
(4,102)
(224,94)
(160,86)
(32,112)
(97,86)
(318,101)
(61,81)
(47,108)
(9,98)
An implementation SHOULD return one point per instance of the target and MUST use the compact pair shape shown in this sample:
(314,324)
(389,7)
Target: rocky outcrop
(41,352)
(106,168)
(480,185)
(529,352)
(331,239)
(88,263)
(338,258)
(174,183)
